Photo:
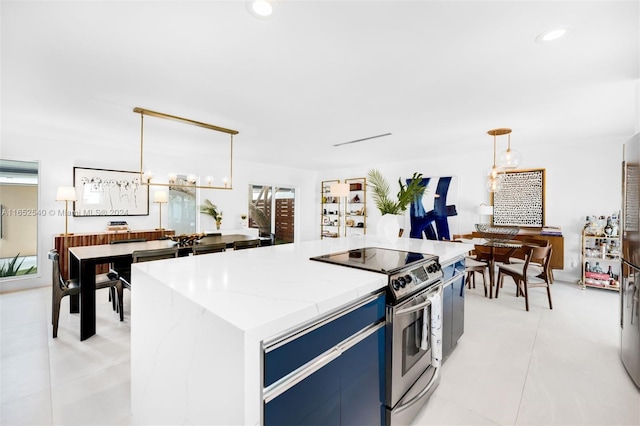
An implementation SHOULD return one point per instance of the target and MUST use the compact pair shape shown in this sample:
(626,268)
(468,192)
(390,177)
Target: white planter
(388,228)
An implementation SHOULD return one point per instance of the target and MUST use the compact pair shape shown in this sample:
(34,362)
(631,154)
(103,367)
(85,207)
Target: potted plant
(12,268)
(392,207)
(211,209)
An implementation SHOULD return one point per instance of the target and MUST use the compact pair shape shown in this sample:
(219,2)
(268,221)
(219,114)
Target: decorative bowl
(496,233)
(186,239)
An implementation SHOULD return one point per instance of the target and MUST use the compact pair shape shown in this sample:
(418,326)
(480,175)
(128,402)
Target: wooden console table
(63,242)
(557,241)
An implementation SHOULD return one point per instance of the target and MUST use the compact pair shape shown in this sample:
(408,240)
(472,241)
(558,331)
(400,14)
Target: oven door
(409,345)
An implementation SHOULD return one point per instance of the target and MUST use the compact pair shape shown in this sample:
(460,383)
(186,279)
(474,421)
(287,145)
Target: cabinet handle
(290,380)
(403,406)
(456,277)
(274,343)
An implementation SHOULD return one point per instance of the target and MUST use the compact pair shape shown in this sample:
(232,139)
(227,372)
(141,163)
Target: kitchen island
(197,323)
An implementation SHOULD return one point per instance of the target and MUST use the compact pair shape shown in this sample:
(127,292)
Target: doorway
(19,218)
(265,200)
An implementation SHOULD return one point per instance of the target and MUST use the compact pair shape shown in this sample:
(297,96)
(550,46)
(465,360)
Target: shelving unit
(334,222)
(356,216)
(600,261)
(329,211)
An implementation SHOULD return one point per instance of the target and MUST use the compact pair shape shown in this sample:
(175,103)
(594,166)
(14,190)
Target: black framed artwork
(102,192)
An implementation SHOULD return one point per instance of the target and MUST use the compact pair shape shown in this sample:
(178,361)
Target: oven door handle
(414,308)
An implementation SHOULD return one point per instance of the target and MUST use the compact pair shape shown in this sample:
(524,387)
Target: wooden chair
(472,265)
(457,237)
(155,254)
(62,288)
(122,268)
(208,239)
(208,248)
(529,274)
(241,245)
(520,255)
(143,256)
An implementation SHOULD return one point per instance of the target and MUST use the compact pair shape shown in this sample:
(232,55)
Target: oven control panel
(412,279)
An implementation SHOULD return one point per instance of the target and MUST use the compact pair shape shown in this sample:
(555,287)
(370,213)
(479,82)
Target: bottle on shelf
(608,228)
(615,222)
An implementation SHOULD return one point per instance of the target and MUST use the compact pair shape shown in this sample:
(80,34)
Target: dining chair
(118,268)
(472,265)
(245,244)
(519,255)
(208,248)
(138,257)
(208,239)
(531,273)
(61,287)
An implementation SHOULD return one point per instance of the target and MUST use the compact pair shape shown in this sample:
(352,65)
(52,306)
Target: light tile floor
(543,367)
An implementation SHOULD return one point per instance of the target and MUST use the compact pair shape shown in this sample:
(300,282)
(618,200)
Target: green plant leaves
(10,269)
(210,209)
(380,192)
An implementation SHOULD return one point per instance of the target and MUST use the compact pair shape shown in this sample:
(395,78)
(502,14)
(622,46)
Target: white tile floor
(542,367)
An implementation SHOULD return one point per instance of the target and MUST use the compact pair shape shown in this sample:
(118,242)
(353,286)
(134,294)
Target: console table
(63,242)
(557,241)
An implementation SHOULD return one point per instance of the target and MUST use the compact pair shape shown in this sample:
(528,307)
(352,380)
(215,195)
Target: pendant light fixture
(495,175)
(510,159)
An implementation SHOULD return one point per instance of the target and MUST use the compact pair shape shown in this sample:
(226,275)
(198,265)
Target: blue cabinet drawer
(347,391)
(307,345)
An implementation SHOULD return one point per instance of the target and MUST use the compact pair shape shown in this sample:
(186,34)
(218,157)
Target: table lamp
(160,197)
(66,194)
(483,211)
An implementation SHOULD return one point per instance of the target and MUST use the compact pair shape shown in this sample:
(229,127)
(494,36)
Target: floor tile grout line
(526,374)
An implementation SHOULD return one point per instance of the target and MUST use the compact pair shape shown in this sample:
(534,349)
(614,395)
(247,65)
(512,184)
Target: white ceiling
(436,74)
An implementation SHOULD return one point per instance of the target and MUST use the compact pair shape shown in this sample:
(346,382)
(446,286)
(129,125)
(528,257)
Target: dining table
(492,251)
(84,261)
(228,239)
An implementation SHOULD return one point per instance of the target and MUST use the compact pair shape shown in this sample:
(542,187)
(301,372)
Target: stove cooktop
(375,259)
(408,272)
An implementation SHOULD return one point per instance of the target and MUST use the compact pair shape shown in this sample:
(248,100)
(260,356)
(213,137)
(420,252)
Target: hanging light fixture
(495,175)
(510,159)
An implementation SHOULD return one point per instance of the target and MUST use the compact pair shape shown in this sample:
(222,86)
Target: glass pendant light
(511,158)
(495,175)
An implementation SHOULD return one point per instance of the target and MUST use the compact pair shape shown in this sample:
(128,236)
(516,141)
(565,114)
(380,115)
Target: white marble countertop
(267,290)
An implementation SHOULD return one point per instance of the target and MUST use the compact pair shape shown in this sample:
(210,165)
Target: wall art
(101,192)
(434,214)
(520,201)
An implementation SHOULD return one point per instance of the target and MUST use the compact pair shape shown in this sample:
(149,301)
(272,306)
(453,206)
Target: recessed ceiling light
(260,8)
(552,34)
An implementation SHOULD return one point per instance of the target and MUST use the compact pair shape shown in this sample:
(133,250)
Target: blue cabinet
(452,305)
(329,372)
